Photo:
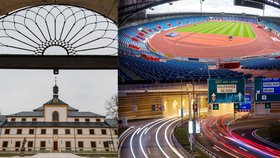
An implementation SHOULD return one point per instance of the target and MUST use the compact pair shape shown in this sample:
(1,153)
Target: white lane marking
(242,148)
(121,143)
(226,151)
(216,148)
(149,151)
(165,135)
(131,139)
(157,138)
(140,142)
(159,121)
(145,131)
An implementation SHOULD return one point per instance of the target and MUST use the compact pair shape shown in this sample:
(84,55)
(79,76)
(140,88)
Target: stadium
(183,46)
(199,78)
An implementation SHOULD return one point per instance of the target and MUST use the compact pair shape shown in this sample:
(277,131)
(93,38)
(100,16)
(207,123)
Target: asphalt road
(151,140)
(235,140)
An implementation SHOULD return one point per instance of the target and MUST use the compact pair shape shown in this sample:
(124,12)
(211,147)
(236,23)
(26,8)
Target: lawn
(240,29)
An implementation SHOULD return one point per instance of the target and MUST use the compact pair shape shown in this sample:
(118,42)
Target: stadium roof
(274,3)
(130,7)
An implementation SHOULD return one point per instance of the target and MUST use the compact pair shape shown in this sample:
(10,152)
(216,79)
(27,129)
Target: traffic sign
(134,108)
(195,107)
(153,107)
(267,105)
(247,105)
(267,89)
(215,106)
(226,90)
(236,106)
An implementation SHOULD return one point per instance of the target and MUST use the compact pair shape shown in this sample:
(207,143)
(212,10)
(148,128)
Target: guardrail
(206,151)
(197,144)
(178,145)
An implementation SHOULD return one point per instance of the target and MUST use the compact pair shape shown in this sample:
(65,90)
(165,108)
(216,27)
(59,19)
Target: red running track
(180,46)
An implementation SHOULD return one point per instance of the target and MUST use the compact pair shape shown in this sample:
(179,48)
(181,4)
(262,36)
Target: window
(97,120)
(68,145)
(43,131)
(91,131)
(106,145)
(93,145)
(30,145)
(42,145)
(76,120)
(19,131)
(23,120)
(79,131)
(13,120)
(31,131)
(103,131)
(67,131)
(4,145)
(17,145)
(7,131)
(55,131)
(87,120)
(55,116)
(81,145)
(116,132)
(34,119)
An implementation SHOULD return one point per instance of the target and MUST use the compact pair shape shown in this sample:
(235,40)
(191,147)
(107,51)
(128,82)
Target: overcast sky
(212,6)
(86,90)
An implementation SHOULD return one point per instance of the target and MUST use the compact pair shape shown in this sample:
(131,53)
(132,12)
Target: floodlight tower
(201,1)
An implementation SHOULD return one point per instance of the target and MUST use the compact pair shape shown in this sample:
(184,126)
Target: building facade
(57,127)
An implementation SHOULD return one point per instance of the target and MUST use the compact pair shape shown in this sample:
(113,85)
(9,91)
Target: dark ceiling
(129,7)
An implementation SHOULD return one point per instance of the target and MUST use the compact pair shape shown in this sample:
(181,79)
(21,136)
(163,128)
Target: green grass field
(221,28)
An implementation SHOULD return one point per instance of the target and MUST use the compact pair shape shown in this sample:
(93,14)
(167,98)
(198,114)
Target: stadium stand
(135,65)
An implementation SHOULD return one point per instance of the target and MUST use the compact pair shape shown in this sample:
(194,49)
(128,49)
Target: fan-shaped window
(55,116)
(76,30)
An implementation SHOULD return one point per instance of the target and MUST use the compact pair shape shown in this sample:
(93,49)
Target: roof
(112,122)
(41,114)
(41,108)
(2,119)
(55,101)
(57,124)
(84,114)
(27,114)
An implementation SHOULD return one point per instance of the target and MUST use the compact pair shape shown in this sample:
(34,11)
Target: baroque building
(57,127)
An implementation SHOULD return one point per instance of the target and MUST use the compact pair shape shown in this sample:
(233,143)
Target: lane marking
(157,138)
(226,151)
(242,148)
(140,142)
(131,139)
(165,135)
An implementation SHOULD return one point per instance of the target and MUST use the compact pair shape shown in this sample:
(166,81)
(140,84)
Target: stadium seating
(134,67)
(261,63)
(271,24)
(169,70)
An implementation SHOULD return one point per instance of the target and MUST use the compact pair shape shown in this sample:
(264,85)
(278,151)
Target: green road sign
(226,90)
(267,89)
(267,105)
(215,106)
(236,105)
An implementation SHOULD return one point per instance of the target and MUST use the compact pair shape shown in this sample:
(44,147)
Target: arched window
(55,116)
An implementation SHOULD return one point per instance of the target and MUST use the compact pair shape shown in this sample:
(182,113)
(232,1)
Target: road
(236,140)
(153,139)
